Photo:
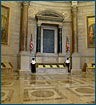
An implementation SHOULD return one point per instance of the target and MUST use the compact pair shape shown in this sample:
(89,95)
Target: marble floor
(47,89)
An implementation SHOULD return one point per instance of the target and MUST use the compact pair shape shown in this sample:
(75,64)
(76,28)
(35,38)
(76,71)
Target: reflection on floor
(47,89)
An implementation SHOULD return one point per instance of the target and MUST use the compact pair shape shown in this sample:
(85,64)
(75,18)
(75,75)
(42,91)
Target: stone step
(51,71)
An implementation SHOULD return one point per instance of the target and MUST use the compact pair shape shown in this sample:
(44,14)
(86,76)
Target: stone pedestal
(76,62)
(23,61)
(61,58)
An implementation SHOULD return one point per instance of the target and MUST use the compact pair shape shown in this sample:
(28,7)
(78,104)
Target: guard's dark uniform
(33,67)
(68,64)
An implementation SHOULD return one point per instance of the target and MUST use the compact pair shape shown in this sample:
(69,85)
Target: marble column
(24,26)
(75,55)
(23,56)
(75,28)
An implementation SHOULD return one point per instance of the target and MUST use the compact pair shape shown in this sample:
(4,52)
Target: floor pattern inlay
(28,88)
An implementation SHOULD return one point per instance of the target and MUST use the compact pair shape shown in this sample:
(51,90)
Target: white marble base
(45,71)
(50,58)
(52,71)
(23,61)
(75,62)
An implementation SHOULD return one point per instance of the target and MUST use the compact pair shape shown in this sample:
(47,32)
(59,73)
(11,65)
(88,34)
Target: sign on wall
(4,24)
(91,31)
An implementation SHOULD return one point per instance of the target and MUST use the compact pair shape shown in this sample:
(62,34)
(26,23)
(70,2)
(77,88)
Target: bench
(90,66)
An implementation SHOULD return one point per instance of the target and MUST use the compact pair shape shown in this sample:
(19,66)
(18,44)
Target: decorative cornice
(50,19)
(75,4)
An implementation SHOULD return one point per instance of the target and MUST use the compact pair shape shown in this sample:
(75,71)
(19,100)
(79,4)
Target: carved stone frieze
(32,11)
(66,15)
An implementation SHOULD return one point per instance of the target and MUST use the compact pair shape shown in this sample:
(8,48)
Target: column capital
(26,3)
(74,6)
(74,3)
(74,9)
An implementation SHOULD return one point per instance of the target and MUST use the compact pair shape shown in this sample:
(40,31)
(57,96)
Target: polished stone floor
(78,88)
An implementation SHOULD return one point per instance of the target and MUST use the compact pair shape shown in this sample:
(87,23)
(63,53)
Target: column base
(76,71)
(76,62)
(22,72)
(23,61)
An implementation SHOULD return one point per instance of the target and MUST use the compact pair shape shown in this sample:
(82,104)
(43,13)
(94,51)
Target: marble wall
(85,9)
(9,52)
(60,8)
